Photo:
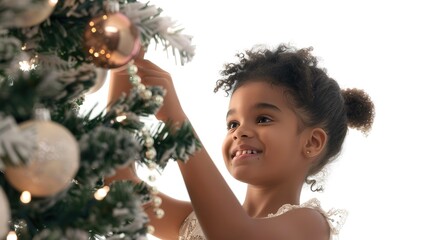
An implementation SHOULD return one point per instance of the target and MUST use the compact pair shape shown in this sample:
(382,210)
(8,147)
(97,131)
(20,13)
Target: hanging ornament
(99,81)
(28,15)
(111,40)
(54,162)
(4,214)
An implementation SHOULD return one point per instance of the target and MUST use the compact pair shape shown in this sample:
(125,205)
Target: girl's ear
(315,143)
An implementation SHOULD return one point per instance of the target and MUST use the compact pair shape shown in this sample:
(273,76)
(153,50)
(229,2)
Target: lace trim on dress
(335,217)
(190,229)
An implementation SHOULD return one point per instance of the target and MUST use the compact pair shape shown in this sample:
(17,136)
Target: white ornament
(52,165)
(4,214)
(30,14)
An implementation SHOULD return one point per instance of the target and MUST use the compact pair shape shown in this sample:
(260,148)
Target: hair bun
(360,109)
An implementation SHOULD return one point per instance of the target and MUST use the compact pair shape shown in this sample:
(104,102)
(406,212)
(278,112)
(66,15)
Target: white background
(379,46)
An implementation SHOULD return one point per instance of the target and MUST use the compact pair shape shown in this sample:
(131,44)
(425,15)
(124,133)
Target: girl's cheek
(225,147)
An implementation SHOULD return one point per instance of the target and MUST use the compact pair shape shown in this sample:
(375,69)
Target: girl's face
(263,144)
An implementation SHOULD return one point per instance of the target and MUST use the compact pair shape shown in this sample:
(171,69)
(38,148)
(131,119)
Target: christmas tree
(53,159)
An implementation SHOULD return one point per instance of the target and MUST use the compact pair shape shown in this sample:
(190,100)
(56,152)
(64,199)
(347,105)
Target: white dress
(191,230)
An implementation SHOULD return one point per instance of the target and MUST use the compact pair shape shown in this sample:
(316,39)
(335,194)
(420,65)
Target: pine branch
(175,143)
(103,150)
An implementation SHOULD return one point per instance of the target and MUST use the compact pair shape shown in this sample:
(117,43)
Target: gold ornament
(52,165)
(111,40)
(99,81)
(33,14)
(4,214)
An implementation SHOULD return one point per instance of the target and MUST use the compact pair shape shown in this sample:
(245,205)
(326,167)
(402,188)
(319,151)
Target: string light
(111,29)
(53,2)
(30,64)
(12,236)
(26,66)
(25,197)
(101,193)
(121,118)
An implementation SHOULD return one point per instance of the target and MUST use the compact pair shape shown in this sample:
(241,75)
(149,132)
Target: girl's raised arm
(175,210)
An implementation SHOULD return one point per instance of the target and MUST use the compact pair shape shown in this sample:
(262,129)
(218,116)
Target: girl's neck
(261,201)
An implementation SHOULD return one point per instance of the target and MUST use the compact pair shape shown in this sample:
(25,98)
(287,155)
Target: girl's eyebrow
(261,105)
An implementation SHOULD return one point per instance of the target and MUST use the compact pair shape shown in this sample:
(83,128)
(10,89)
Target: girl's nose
(242,132)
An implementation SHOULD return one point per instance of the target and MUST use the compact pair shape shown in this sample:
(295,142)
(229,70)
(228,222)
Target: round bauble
(111,40)
(52,165)
(29,15)
(4,214)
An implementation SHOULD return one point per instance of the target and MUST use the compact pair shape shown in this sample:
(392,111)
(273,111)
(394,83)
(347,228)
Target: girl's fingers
(141,64)
(149,72)
(148,65)
(154,81)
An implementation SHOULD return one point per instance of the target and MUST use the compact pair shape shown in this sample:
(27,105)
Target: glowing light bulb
(53,2)
(111,29)
(12,236)
(25,197)
(121,118)
(101,193)
(24,66)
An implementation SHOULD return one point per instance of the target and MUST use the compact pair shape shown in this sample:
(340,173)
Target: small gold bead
(152,178)
(157,201)
(132,69)
(159,213)
(150,229)
(154,190)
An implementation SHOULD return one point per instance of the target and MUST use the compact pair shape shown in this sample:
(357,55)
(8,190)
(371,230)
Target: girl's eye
(231,125)
(263,119)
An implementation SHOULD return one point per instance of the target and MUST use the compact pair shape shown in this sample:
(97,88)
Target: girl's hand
(153,75)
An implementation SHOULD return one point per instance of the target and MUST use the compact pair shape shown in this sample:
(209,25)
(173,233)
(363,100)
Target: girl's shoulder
(334,217)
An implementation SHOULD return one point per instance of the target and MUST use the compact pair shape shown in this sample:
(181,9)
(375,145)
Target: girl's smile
(244,156)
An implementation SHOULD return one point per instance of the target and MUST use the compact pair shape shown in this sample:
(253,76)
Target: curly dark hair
(316,97)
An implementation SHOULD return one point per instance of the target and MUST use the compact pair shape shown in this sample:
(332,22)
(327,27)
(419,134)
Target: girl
(286,120)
